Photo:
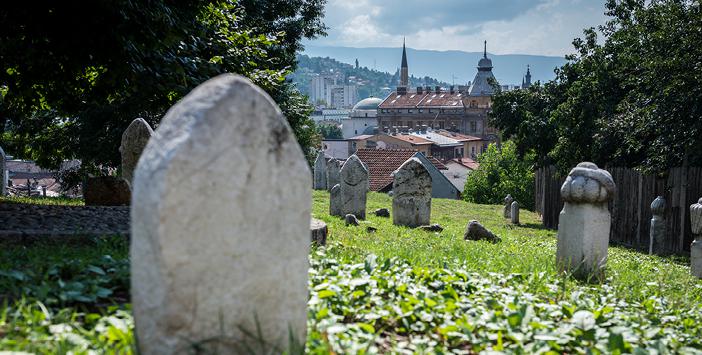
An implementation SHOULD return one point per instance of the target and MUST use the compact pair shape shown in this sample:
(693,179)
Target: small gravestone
(382,212)
(320,172)
(696,247)
(318,231)
(514,212)
(134,140)
(584,222)
(221,267)
(476,231)
(351,220)
(658,229)
(335,201)
(507,212)
(354,187)
(3,184)
(411,202)
(333,173)
(106,191)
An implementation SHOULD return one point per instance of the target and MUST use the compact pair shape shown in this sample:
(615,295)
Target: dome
(370,103)
(485,63)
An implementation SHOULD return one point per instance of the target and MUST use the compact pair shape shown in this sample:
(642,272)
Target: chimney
(419,90)
(438,89)
(428,89)
(401,90)
(423,129)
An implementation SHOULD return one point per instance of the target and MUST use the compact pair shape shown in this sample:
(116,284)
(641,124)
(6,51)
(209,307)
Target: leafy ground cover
(393,290)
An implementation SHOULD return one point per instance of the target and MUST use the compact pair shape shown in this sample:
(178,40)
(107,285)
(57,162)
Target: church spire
(485,50)
(404,70)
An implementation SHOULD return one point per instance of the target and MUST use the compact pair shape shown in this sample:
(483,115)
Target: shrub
(502,171)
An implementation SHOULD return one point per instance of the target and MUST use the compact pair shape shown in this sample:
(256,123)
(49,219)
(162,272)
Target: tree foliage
(330,131)
(632,99)
(502,171)
(73,82)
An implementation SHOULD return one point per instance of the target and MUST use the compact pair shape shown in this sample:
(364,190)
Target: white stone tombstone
(335,201)
(220,225)
(507,212)
(514,212)
(134,139)
(696,247)
(411,201)
(353,187)
(584,222)
(320,172)
(333,173)
(3,168)
(658,229)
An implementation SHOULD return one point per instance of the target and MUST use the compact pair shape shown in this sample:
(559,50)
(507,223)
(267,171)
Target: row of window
(472,125)
(419,110)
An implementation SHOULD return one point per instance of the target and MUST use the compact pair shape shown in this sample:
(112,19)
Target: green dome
(370,103)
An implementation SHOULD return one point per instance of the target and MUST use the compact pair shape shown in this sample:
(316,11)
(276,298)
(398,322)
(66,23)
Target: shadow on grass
(538,226)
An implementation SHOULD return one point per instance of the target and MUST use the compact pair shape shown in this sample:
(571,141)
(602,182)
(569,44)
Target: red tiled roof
(458,136)
(468,163)
(431,99)
(437,163)
(382,163)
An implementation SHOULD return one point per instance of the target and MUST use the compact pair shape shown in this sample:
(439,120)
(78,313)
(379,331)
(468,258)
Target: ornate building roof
(481,83)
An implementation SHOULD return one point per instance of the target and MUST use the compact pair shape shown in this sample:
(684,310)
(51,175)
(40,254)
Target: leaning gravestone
(658,230)
(584,222)
(514,212)
(353,188)
(411,202)
(333,173)
(134,140)
(507,212)
(3,166)
(335,201)
(696,247)
(214,263)
(320,172)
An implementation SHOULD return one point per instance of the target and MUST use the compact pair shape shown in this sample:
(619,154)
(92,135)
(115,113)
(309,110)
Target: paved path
(24,221)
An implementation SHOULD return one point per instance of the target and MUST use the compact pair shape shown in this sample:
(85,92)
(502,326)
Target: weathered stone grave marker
(507,212)
(320,172)
(335,201)
(696,247)
(134,140)
(658,230)
(3,166)
(514,212)
(333,173)
(353,188)
(411,200)
(221,261)
(584,222)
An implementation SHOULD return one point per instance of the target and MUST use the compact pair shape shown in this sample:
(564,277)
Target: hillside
(456,67)
(370,82)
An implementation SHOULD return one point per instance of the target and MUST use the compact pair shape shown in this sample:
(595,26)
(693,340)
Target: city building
(463,109)
(526,81)
(362,119)
(330,116)
(330,91)
(457,171)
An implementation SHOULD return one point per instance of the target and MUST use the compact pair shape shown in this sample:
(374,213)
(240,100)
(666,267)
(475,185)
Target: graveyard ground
(392,290)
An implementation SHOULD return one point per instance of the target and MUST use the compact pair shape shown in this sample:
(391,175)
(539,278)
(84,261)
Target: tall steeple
(404,71)
(527,82)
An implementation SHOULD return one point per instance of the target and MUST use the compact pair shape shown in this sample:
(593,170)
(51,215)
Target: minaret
(527,83)
(404,71)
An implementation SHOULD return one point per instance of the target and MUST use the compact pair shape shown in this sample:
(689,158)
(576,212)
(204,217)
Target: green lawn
(393,290)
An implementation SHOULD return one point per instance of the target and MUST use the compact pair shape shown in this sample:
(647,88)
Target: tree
(632,99)
(73,83)
(330,131)
(502,172)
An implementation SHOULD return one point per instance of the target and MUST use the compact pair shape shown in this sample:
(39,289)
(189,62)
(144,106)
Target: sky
(541,27)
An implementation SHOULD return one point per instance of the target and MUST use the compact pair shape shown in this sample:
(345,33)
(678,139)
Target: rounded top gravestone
(134,140)
(220,225)
(587,183)
(658,206)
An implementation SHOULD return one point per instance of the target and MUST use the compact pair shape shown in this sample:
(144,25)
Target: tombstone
(134,140)
(476,231)
(318,232)
(584,222)
(507,212)
(333,173)
(335,201)
(514,212)
(354,188)
(696,247)
(411,202)
(213,263)
(320,172)
(658,230)
(3,167)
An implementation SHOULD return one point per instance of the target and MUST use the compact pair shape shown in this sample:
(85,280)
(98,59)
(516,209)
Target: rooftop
(382,163)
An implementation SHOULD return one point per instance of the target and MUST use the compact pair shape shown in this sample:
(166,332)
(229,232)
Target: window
(355,131)
(473,126)
(421,110)
(472,151)
(409,110)
(366,114)
(461,151)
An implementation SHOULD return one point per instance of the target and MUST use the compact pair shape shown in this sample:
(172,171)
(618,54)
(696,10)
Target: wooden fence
(631,204)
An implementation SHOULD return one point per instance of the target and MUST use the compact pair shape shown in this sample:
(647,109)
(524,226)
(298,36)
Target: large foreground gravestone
(411,200)
(320,172)
(696,247)
(353,188)
(222,264)
(134,140)
(658,230)
(584,222)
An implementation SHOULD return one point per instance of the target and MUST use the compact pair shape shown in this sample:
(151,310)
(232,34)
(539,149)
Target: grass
(394,290)
(40,200)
